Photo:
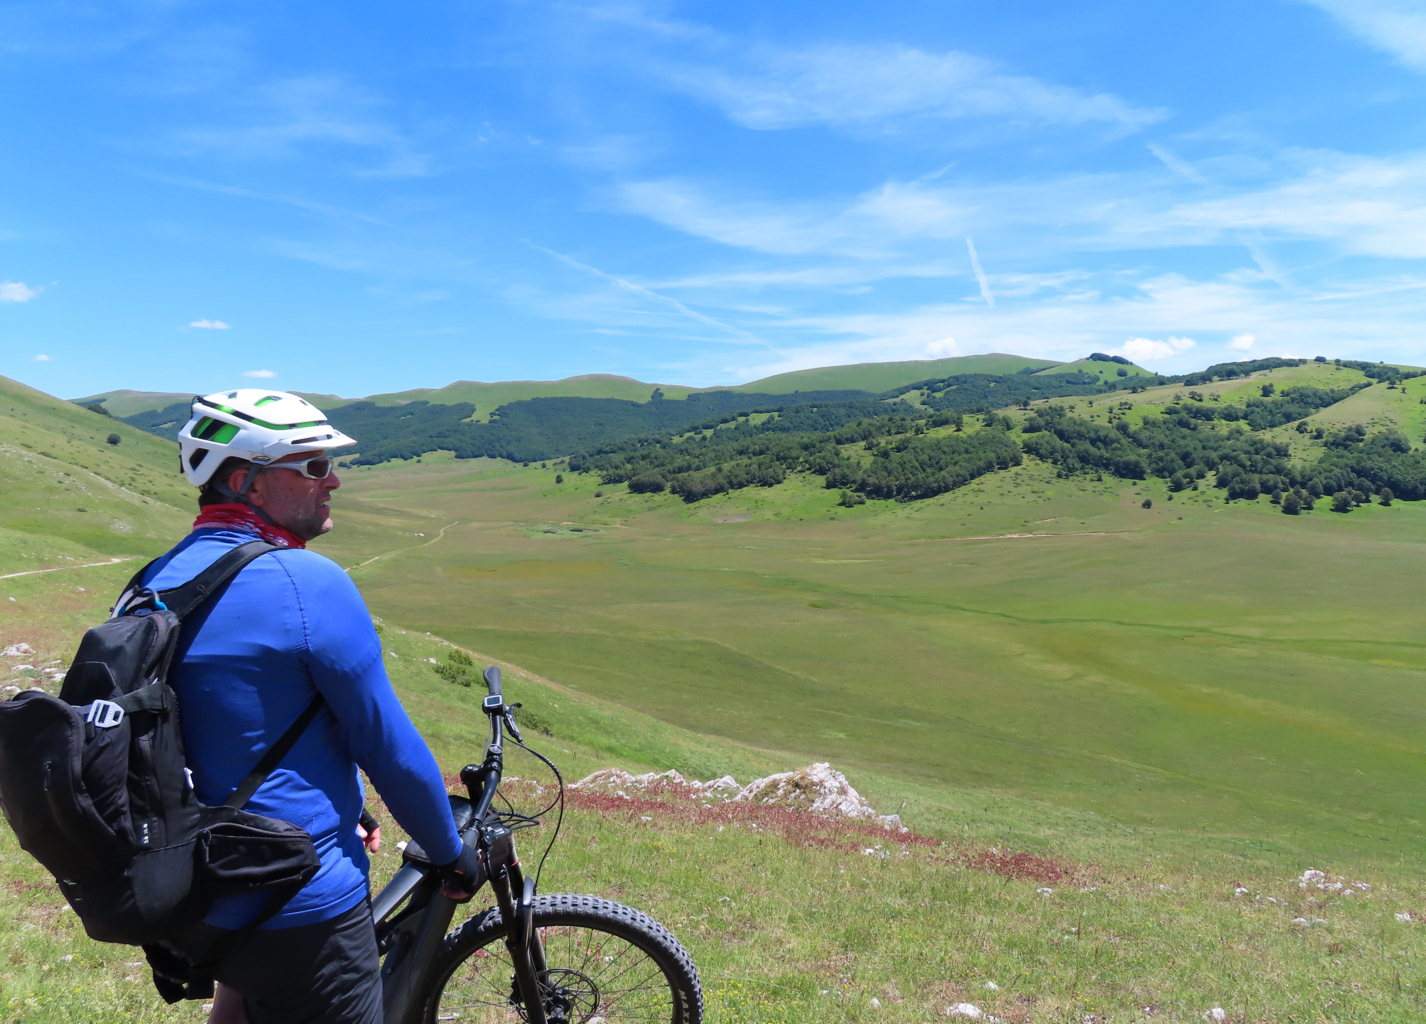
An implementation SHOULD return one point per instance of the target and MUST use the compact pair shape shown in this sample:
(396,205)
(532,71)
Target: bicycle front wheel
(608,964)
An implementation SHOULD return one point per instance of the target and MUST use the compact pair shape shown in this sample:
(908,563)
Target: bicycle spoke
(594,975)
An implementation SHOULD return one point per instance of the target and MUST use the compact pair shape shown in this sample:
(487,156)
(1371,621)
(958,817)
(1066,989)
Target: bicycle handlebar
(492,680)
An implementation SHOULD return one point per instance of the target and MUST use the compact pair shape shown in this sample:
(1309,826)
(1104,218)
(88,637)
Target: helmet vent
(199,454)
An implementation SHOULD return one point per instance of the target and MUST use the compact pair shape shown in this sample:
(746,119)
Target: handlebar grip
(492,680)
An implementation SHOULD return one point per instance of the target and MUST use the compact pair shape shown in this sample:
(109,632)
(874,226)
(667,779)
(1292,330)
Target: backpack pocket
(65,798)
(251,853)
(153,896)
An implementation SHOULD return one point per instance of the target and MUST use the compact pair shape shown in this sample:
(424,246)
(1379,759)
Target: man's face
(289,498)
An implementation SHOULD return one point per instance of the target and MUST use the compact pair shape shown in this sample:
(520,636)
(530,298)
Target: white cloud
(210,325)
(283,117)
(42,359)
(1139,350)
(980,274)
(1396,26)
(943,348)
(868,85)
(1168,310)
(260,373)
(1372,206)
(1242,343)
(16,291)
(1176,163)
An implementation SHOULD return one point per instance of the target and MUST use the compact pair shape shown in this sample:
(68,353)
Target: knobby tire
(606,961)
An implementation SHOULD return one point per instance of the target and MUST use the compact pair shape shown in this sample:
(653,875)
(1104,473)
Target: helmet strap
(241,494)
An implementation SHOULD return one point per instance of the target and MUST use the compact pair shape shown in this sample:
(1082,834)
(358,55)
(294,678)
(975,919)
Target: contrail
(648,293)
(980,274)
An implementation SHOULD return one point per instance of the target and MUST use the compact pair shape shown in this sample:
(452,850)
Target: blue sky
(357,198)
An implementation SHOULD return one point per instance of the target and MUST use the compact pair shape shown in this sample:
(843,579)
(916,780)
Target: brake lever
(510,722)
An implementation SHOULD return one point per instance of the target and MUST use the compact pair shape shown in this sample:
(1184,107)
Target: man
(288,627)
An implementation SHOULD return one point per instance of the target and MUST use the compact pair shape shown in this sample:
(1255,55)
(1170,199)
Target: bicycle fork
(527,953)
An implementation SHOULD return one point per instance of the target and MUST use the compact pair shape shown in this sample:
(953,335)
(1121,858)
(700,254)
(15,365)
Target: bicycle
(557,959)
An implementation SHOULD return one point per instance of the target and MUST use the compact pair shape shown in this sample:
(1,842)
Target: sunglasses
(317,468)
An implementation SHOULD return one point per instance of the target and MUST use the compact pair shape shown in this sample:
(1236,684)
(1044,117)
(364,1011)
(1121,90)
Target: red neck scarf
(237,516)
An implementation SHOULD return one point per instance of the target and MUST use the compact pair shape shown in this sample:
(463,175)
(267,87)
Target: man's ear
(235,484)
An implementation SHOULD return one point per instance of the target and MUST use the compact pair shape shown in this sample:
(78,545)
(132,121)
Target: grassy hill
(66,493)
(1162,715)
(124,402)
(488,397)
(874,377)
(877,377)
(1105,371)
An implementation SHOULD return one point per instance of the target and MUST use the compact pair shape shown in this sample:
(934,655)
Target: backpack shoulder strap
(275,753)
(183,600)
(131,586)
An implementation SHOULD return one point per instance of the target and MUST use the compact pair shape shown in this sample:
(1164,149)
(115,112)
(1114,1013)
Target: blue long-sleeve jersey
(289,626)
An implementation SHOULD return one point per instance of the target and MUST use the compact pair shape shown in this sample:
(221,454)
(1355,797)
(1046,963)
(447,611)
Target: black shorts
(323,973)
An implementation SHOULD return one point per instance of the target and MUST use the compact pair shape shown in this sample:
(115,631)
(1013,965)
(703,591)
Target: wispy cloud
(1396,26)
(647,293)
(1176,163)
(874,84)
(325,209)
(265,374)
(1242,343)
(210,325)
(42,359)
(278,119)
(1373,206)
(1171,321)
(980,274)
(16,291)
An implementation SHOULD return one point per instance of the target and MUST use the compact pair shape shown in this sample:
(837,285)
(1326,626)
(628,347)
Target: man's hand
(462,876)
(369,829)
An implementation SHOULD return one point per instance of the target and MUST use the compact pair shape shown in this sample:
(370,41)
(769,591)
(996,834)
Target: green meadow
(1180,708)
(1224,670)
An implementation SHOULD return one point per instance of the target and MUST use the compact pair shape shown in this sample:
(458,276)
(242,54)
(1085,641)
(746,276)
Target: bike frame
(412,915)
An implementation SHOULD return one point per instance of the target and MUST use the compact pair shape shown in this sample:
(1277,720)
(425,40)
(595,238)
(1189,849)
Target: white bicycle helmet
(252,424)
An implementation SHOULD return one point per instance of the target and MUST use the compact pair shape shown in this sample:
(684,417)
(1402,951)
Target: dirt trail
(396,551)
(61,568)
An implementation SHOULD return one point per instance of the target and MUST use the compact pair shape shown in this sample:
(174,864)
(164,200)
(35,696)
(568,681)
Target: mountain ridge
(489,395)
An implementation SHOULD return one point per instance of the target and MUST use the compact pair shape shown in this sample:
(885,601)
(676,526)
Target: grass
(792,924)
(1173,703)
(1107,372)
(878,377)
(1184,667)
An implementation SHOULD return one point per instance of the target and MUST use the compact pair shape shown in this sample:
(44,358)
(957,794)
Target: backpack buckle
(104,714)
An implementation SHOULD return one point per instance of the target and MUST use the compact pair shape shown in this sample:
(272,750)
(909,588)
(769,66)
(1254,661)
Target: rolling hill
(1120,735)
(873,377)
(1105,369)
(877,377)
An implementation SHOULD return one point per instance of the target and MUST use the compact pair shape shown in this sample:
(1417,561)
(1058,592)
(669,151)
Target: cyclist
(290,626)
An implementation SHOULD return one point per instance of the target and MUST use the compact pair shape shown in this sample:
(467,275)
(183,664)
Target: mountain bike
(556,959)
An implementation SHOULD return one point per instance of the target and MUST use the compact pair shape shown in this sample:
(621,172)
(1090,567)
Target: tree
(1291,504)
(1276,498)
(559,478)
(1358,498)
(1148,503)
(647,483)
(113,439)
(1268,390)
(1342,502)
(1386,496)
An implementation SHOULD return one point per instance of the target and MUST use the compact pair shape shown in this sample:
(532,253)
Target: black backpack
(95,786)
